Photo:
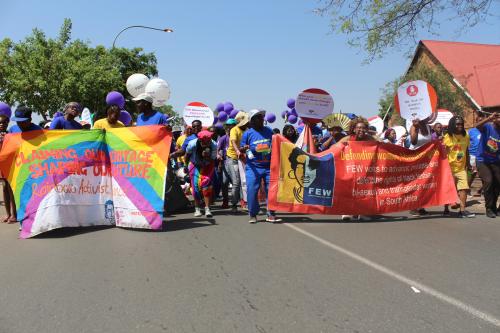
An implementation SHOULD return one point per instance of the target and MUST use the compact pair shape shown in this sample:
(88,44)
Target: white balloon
(136,84)
(159,90)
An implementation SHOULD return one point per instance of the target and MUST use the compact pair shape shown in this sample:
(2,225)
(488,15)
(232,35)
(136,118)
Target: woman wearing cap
(201,154)
(256,143)
(68,122)
(233,155)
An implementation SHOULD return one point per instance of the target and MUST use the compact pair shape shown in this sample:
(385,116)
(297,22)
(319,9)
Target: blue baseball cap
(22,114)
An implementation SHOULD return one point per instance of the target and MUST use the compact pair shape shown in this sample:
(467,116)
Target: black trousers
(490,175)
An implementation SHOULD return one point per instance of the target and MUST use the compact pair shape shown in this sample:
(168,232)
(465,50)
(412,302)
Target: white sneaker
(197,212)
(208,213)
(346,217)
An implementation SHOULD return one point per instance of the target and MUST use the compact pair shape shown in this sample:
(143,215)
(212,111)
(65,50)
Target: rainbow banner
(87,178)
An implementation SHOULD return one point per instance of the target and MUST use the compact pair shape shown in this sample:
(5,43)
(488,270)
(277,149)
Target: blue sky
(256,54)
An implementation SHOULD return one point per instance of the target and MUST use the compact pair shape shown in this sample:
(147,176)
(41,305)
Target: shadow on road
(69,232)
(182,224)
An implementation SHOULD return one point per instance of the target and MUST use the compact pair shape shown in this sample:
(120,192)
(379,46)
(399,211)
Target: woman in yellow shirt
(457,143)
(111,121)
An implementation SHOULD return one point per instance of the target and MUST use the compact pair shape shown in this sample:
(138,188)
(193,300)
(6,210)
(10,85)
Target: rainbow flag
(86,178)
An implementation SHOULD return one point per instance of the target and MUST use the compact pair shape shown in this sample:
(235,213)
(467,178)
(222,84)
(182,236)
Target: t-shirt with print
(489,145)
(457,146)
(235,135)
(260,145)
(63,123)
(157,118)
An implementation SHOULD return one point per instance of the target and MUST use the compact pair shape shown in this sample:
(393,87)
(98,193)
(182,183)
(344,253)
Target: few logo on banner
(314,176)
(198,111)
(314,104)
(415,100)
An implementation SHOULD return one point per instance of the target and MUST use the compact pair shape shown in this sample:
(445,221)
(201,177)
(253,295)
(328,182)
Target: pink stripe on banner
(34,203)
(154,219)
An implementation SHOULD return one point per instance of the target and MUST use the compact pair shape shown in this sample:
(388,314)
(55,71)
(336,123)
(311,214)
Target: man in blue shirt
(148,116)
(68,122)
(196,128)
(488,161)
(22,117)
(256,143)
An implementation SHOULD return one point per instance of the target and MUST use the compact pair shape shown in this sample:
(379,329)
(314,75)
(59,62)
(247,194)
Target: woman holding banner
(201,154)
(358,132)
(420,134)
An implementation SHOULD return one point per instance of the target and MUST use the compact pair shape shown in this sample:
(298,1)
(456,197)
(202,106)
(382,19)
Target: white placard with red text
(198,111)
(415,100)
(314,104)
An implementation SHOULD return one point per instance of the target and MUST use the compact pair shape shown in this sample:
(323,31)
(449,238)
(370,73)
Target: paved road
(310,274)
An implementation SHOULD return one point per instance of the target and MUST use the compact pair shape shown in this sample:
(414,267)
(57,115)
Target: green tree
(45,73)
(449,97)
(377,26)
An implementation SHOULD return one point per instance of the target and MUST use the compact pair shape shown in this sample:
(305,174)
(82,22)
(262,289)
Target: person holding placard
(488,161)
(457,142)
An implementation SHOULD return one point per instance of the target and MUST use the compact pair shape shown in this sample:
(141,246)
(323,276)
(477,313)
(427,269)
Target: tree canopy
(45,73)
(378,26)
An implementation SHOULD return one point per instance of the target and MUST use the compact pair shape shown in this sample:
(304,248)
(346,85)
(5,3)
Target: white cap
(255,112)
(144,97)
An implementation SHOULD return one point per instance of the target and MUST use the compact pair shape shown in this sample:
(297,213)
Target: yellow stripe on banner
(136,143)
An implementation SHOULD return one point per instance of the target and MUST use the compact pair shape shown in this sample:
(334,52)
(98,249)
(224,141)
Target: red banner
(359,178)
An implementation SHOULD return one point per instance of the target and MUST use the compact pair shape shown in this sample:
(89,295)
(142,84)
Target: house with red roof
(473,68)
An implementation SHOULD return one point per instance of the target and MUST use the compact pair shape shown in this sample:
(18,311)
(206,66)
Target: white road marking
(401,278)
(415,290)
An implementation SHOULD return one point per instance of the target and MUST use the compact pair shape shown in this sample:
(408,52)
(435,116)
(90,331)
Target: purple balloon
(114,97)
(58,114)
(219,125)
(233,113)
(284,114)
(222,116)
(216,119)
(5,109)
(292,119)
(270,118)
(290,103)
(228,107)
(125,117)
(293,112)
(219,107)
